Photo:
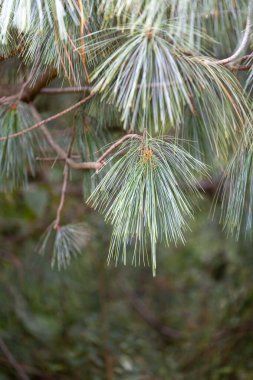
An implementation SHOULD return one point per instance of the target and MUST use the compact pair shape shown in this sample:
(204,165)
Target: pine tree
(165,97)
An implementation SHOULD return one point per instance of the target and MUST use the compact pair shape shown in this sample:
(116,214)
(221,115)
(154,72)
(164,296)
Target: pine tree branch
(58,149)
(80,165)
(48,159)
(63,191)
(240,67)
(70,90)
(117,143)
(63,155)
(12,54)
(29,93)
(64,90)
(84,165)
(244,40)
(47,120)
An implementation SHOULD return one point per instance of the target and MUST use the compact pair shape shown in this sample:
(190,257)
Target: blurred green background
(93,321)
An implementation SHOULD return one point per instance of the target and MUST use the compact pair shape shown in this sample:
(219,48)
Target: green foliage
(17,156)
(65,243)
(204,290)
(53,51)
(152,79)
(143,197)
(223,21)
(150,65)
(237,192)
(90,139)
(155,66)
(25,15)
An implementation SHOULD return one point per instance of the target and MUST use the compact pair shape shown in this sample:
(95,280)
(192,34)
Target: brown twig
(80,165)
(63,195)
(47,120)
(65,182)
(13,362)
(243,43)
(63,155)
(82,49)
(84,165)
(76,156)
(64,90)
(61,152)
(117,143)
(240,67)
(29,93)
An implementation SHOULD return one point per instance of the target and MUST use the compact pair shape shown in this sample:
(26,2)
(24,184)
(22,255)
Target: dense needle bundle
(143,196)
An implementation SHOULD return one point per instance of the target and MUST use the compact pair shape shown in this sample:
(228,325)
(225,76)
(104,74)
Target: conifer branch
(117,143)
(84,165)
(49,119)
(63,194)
(244,40)
(29,93)
(64,184)
(81,165)
(61,152)
(64,90)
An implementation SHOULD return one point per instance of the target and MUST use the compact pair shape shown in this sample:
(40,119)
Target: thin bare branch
(117,143)
(65,181)
(64,90)
(47,120)
(61,152)
(244,40)
(29,93)
(63,194)
(76,156)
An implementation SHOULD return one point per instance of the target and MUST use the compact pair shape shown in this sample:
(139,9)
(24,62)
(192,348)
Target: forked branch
(80,165)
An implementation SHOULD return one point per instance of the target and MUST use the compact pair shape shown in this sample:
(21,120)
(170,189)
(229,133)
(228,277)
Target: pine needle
(144,197)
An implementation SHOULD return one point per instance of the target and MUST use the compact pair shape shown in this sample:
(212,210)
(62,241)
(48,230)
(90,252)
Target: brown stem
(84,165)
(79,165)
(240,67)
(82,49)
(61,152)
(76,156)
(65,181)
(244,40)
(64,90)
(63,195)
(117,143)
(29,93)
(51,118)
(63,155)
